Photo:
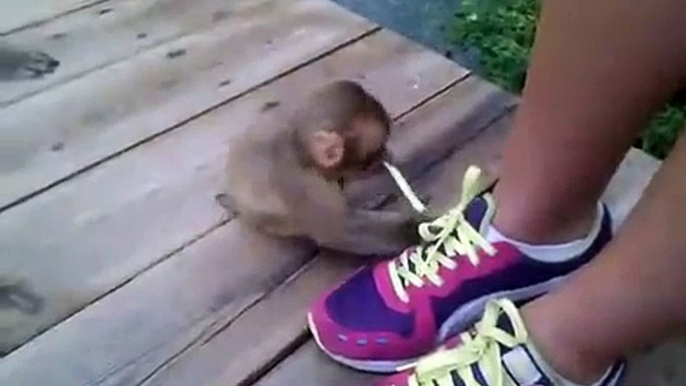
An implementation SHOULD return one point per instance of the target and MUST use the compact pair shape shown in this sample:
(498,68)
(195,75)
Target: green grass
(502,33)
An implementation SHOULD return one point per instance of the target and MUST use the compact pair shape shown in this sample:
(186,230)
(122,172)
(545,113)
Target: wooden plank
(456,114)
(15,15)
(126,103)
(442,185)
(258,336)
(432,133)
(96,231)
(662,366)
(309,366)
(96,37)
(124,337)
(633,175)
(628,183)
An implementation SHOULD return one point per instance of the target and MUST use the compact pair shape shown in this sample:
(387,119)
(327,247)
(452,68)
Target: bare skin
(631,296)
(285,178)
(599,70)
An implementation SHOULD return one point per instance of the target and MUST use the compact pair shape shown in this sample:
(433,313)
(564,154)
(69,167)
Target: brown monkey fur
(284,178)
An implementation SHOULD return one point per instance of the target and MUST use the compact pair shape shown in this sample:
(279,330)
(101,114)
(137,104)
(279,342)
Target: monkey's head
(340,130)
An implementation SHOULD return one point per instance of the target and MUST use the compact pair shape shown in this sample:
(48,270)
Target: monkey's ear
(327,148)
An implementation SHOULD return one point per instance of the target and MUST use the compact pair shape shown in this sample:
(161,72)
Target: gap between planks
(378,49)
(373,61)
(37,20)
(89,41)
(102,128)
(185,121)
(443,184)
(310,367)
(262,339)
(22,215)
(248,333)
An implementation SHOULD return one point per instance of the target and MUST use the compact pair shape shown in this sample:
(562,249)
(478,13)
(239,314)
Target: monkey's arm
(369,232)
(322,214)
(375,190)
(370,191)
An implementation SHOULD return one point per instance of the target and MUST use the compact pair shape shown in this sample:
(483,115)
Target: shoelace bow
(482,346)
(448,235)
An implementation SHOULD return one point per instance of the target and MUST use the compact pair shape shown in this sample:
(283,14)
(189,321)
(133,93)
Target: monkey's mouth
(374,165)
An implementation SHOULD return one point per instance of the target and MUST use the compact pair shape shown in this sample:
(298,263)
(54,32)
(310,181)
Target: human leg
(390,313)
(631,296)
(581,110)
(591,88)
(598,71)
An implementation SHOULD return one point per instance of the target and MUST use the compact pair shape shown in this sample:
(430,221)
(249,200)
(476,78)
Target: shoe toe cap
(354,321)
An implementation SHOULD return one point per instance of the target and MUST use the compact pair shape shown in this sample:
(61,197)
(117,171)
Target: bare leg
(632,296)
(599,70)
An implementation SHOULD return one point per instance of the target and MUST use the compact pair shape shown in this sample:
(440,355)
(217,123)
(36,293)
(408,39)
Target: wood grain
(661,366)
(432,132)
(451,117)
(92,233)
(626,186)
(124,337)
(97,37)
(308,366)
(57,133)
(260,335)
(15,15)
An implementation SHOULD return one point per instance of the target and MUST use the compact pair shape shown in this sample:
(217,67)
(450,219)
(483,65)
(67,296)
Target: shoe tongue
(480,211)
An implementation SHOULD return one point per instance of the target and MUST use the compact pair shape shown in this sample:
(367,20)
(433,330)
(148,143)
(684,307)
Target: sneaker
(390,314)
(497,352)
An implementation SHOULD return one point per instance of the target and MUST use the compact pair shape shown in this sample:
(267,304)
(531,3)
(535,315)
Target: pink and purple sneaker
(388,315)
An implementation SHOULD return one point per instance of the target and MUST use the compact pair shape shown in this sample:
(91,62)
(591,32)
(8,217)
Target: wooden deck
(109,169)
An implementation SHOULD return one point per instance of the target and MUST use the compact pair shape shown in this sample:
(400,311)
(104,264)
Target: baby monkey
(286,178)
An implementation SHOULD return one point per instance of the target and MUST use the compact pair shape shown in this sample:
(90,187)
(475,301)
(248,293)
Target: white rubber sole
(456,322)
(380,367)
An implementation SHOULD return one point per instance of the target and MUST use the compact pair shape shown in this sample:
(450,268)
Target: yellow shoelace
(448,235)
(481,347)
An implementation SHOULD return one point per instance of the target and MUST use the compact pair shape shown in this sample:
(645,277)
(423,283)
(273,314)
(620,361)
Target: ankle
(561,351)
(542,226)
